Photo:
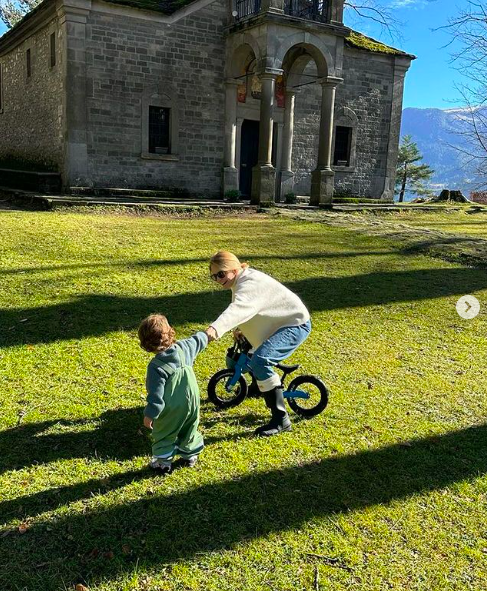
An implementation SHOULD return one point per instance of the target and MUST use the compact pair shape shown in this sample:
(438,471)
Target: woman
(271,317)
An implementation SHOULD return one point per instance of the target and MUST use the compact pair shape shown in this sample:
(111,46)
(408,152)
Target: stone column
(230,172)
(322,179)
(72,20)
(264,174)
(287,175)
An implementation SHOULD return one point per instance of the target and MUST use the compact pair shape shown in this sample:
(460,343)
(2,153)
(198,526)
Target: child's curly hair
(155,333)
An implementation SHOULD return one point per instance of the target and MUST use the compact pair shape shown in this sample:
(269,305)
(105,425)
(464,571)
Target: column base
(322,187)
(263,185)
(287,184)
(387,194)
(230,179)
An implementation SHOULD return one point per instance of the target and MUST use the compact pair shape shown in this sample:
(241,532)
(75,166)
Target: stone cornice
(42,14)
(149,15)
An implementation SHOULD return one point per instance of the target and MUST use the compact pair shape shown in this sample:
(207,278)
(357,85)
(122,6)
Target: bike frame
(242,365)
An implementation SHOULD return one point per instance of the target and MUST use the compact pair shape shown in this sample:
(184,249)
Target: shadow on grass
(130,264)
(95,315)
(116,435)
(104,541)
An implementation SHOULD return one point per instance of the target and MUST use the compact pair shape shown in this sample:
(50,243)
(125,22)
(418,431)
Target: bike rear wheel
(317,392)
(218,394)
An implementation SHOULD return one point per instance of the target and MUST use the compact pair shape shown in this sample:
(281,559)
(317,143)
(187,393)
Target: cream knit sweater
(260,306)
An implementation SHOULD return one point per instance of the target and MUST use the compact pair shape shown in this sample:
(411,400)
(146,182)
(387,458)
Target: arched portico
(280,54)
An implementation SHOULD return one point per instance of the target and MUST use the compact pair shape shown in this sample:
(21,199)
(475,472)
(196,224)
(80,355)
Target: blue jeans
(276,348)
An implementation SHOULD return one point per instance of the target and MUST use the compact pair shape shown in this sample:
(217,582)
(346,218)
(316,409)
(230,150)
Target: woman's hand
(211,334)
(148,422)
(238,335)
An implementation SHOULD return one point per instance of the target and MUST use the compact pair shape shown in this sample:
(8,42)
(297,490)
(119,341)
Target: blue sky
(430,80)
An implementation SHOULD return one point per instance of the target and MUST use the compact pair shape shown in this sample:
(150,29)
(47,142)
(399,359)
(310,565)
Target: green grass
(385,490)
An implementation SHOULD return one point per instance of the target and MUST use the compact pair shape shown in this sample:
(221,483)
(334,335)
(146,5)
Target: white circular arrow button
(468,307)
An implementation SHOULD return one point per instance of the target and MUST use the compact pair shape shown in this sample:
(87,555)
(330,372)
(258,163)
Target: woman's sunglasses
(219,275)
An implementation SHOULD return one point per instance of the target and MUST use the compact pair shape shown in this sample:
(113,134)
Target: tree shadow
(105,541)
(181,262)
(116,435)
(95,315)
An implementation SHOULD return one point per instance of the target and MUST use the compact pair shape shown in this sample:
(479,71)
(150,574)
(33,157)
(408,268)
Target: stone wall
(367,90)
(31,121)
(128,61)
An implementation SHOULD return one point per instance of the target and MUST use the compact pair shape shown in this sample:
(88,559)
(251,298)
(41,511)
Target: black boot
(280,419)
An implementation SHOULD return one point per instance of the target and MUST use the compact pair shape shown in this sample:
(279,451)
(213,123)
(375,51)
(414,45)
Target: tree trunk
(403,186)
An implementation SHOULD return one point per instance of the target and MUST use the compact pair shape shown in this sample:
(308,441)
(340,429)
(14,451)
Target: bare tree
(468,32)
(12,11)
(377,11)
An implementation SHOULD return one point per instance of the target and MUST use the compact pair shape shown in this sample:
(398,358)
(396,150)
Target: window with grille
(343,144)
(159,130)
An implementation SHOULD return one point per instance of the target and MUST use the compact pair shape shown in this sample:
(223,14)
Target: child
(173,398)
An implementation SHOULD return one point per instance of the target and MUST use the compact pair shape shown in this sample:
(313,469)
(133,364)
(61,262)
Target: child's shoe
(161,466)
(189,462)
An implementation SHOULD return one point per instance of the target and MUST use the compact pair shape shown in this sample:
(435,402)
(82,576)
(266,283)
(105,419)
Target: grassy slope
(385,490)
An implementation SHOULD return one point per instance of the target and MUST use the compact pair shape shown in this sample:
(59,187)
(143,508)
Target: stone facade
(130,61)
(88,115)
(31,118)
(367,90)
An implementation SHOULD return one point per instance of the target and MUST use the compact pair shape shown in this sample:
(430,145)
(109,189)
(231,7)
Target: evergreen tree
(409,175)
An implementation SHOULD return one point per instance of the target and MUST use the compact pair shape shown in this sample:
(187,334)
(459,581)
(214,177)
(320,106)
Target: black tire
(219,396)
(318,396)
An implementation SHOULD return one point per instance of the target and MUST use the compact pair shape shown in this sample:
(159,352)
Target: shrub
(233,196)
(290,198)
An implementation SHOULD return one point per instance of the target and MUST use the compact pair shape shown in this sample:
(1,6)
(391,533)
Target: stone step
(126,193)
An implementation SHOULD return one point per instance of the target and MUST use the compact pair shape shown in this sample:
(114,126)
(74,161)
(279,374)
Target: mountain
(437,133)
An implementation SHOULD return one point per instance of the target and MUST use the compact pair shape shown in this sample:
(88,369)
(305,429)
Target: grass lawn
(387,489)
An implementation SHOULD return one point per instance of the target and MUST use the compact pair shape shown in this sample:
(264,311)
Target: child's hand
(148,422)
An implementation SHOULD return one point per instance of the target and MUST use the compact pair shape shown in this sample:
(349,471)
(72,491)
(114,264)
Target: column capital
(232,82)
(270,73)
(330,81)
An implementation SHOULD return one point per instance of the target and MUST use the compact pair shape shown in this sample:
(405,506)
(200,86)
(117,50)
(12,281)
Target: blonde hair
(155,333)
(226,261)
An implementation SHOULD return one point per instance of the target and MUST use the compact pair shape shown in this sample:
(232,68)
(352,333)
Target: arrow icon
(468,307)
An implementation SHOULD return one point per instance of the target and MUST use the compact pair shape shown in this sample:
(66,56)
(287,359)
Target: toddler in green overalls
(173,397)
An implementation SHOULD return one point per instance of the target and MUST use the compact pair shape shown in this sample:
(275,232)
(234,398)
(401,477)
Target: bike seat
(287,368)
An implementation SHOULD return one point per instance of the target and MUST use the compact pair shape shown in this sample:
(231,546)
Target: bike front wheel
(218,393)
(316,392)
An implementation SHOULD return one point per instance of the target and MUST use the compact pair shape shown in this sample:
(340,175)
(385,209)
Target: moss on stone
(359,41)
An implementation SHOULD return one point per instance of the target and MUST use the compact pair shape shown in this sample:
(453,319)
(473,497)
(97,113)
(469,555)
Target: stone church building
(263,96)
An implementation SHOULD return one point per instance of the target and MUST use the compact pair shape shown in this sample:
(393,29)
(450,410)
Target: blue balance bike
(306,395)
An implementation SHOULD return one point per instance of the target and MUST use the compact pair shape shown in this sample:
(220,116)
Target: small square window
(159,130)
(28,63)
(343,145)
(52,46)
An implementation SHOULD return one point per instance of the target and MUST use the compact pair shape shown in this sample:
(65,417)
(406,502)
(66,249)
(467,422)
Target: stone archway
(295,58)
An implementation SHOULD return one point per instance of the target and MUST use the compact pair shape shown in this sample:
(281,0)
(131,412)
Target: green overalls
(175,431)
